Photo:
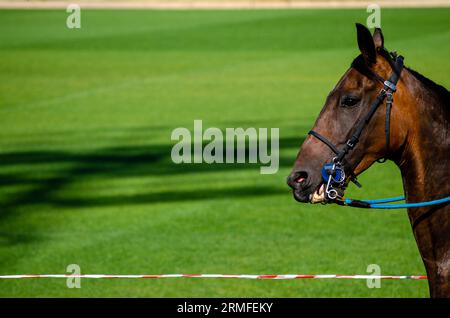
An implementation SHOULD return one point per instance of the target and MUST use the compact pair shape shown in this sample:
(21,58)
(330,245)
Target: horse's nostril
(302,176)
(298,179)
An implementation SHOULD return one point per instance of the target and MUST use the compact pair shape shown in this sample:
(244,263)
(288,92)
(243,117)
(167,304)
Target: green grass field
(85,171)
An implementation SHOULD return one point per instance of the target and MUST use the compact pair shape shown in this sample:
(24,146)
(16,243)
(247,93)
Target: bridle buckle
(390,85)
(389,97)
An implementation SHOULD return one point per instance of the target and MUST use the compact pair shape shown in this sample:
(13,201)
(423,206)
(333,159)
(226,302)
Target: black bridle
(333,173)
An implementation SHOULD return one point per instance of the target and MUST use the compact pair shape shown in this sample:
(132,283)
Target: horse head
(353,129)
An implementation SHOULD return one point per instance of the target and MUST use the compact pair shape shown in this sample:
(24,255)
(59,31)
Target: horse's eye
(349,101)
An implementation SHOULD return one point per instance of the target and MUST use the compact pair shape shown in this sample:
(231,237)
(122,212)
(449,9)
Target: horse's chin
(301,197)
(318,196)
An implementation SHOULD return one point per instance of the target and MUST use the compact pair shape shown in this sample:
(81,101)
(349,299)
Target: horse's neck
(424,161)
(424,158)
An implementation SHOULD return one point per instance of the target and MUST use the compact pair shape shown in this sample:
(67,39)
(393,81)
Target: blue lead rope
(387,200)
(375,204)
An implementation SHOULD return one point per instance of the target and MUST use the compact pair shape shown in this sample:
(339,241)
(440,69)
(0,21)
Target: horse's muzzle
(299,182)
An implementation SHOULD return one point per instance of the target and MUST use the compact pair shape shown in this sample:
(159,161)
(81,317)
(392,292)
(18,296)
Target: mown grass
(85,170)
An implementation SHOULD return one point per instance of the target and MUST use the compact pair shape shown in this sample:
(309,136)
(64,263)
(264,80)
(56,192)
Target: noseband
(333,173)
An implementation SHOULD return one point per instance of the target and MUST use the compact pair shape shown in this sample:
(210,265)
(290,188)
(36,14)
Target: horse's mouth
(318,196)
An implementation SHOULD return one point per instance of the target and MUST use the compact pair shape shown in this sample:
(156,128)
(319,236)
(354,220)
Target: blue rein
(378,204)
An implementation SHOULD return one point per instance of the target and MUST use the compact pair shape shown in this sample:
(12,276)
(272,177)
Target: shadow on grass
(115,162)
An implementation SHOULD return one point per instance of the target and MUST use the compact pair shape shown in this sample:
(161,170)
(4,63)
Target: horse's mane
(440,91)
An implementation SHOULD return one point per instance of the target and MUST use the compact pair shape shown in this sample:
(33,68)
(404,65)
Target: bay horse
(360,118)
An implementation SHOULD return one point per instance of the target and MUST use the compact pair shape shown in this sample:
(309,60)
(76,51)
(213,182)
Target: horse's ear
(378,38)
(366,44)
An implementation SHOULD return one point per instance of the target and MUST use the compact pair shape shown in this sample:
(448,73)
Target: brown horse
(417,140)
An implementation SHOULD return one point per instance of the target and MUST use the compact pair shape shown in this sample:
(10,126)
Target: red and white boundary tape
(284,276)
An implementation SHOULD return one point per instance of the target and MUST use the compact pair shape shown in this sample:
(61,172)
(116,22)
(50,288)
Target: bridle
(333,173)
